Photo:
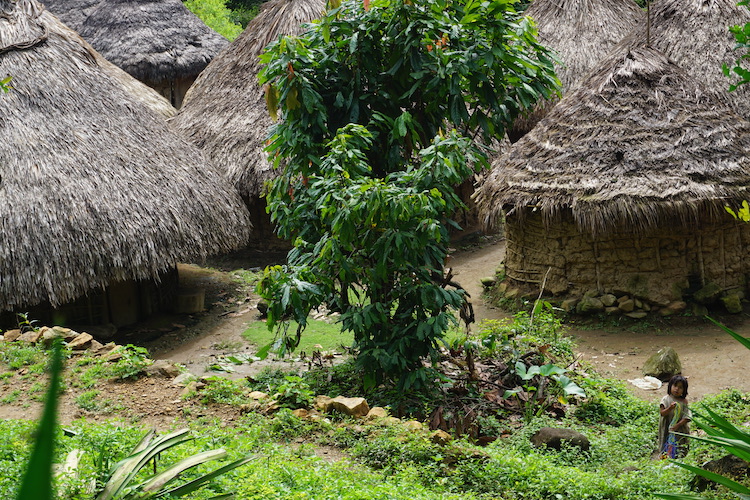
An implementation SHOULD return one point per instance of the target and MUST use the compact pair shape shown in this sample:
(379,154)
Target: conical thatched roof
(225,113)
(153,40)
(640,144)
(94,186)
(695,35)
(581,32)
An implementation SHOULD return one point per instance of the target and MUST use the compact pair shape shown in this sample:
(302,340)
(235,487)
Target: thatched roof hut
(159,42)
(622,186)
(225,112)
(96,189)
(581,32)
(695,35)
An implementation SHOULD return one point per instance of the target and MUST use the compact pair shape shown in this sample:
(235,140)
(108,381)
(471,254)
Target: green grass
(318,336)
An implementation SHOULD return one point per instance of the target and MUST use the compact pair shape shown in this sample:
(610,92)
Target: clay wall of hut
(660,265)
(122,303)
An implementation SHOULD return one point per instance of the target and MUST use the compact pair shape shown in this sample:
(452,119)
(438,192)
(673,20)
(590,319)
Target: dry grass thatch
(581,32)
(95,187)
(153,40)
(640,144)
(224,112)
(694,34)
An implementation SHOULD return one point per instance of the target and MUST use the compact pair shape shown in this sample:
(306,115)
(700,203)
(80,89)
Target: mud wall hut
(581,32)
(159,42)
(100,199)
(621,188)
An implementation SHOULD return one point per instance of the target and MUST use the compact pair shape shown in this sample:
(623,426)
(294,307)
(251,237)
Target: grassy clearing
(318,336)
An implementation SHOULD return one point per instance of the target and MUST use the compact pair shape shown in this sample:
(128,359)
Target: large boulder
(553,437)
(663,364)
(708,294)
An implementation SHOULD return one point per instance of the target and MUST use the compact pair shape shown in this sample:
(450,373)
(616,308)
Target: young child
(674,417)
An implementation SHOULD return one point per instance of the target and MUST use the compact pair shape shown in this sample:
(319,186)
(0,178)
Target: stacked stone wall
(661,265)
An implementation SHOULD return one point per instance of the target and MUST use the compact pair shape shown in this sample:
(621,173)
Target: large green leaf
(37,479)
(165,477)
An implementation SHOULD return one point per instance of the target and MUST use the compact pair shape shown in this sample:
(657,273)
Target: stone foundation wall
(660,266)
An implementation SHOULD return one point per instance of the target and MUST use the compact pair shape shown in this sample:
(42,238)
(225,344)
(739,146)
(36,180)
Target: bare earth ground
(711,359)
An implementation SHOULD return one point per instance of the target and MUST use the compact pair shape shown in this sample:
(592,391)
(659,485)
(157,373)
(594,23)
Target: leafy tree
(742,36)
(216,15)
(378,100)
(243,11)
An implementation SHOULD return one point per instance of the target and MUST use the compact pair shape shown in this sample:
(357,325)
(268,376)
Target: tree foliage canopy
(742,36)
(379,100)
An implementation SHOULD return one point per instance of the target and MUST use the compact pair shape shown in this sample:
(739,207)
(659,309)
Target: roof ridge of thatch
(580,32)
(695,35)
(95,187)
(224,111)
(153,40)
(638,143)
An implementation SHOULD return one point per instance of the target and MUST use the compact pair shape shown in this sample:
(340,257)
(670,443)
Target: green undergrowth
(390,461)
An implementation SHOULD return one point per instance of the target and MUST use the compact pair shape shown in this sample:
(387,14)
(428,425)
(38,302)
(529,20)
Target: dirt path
(711,359)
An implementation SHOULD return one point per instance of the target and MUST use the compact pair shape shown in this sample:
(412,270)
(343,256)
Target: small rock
(732,304)
(183,379)
(627,305)
(698,310)
(441,437)
(12,335)
(413,426)
(611,311)
(569,305)
(66,333)
(301,413)
(323,403)
(351,406)
(608,299)
(376,412)
(31,336)
(589,305)
(553,437)
(190,388)
(637,314)
(488,282)
(257,395)
(104,350)
(162,368)
(622,299)
(673,308)
(663,364)
(80,342)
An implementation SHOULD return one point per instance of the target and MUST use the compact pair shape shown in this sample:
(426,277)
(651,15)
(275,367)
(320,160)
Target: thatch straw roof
(694,34)
(641,143)
(224,112)
(581,32)
(95,187)
(153,40)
